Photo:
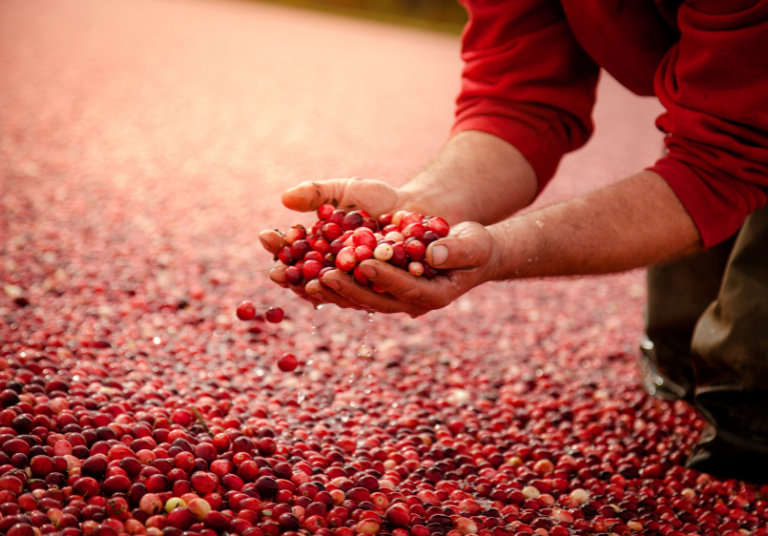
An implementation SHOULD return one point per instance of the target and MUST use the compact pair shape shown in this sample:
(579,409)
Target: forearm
(636,222)
(475,177)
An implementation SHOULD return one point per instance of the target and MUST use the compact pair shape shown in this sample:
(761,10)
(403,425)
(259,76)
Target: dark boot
(730,359)
(678,294)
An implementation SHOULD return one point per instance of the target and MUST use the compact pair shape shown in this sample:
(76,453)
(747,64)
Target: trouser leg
(730,342)
(678,294)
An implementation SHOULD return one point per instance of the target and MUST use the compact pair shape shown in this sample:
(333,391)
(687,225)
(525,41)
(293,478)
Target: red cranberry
(324,211)
(294,276)
(246,311)
(287,363)
(274,315)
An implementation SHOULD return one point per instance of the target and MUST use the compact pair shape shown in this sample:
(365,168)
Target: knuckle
(410,294)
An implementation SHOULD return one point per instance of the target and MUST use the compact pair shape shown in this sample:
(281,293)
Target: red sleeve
(526,80)
(714,86)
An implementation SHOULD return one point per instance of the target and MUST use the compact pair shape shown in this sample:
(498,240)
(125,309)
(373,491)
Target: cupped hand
(375,197)
(468,255)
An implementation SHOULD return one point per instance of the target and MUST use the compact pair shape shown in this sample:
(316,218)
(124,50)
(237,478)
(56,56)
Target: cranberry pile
(342,240)
(135,402)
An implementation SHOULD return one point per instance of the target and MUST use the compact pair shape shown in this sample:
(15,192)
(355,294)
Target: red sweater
(531,67)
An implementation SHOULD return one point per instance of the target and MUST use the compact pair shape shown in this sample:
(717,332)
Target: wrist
(495,266)
(428,201)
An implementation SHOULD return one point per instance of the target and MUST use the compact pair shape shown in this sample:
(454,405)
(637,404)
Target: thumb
(469,245)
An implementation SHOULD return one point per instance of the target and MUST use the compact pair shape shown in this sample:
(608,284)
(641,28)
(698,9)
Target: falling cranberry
(246,311)
(274,315)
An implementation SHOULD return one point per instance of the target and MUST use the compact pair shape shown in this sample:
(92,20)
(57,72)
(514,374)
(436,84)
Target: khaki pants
(707,316)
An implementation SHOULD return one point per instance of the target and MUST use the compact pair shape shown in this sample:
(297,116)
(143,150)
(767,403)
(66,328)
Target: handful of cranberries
(342,240)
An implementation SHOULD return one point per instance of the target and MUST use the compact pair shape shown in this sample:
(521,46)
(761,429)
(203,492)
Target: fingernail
(369,271)
(312,289)
(263,242)
(331,283)
(439,255)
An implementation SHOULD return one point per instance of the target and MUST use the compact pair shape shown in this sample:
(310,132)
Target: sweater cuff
(718,207)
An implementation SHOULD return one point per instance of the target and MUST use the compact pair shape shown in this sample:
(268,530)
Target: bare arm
(475,177)
(632,223)
(635,222)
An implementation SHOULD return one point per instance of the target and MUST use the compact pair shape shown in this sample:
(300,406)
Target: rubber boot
(730,360)
(678,294)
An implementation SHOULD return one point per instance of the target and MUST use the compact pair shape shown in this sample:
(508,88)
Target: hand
(356,193)
(468,253)
(375,197)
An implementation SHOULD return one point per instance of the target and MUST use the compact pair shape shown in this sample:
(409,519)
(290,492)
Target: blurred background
(442,15)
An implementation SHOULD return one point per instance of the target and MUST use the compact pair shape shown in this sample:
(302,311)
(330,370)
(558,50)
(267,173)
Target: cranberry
(311,270)
(346,259)
(274,315)
(284,255)
(299,249)
(294,275)
(297,232)
(324,211)
(246,311)
(415,249)
(352,221)
(287,363)
(331,231)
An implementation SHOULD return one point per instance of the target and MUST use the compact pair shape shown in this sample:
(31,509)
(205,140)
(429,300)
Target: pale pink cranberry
(416,268)
(394,236)
(346,260)
(398,216)
(383,252)
(297,232)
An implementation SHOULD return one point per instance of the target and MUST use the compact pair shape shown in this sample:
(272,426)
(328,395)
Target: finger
(344,285)
(272,241)
(372,196)
(404,286)
(468,245)
(277,274)
(316,290)
(302,293)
